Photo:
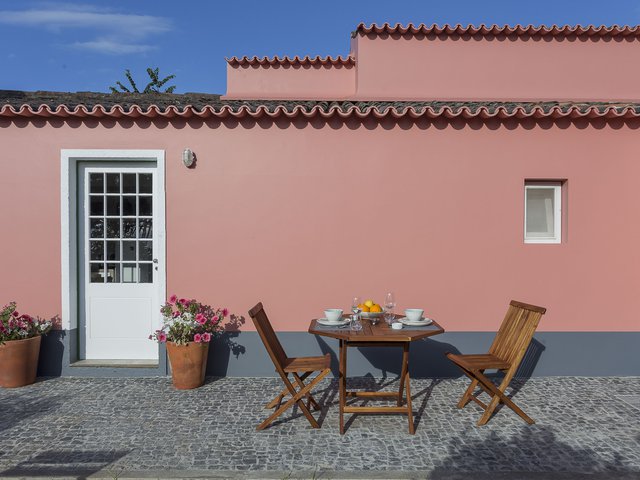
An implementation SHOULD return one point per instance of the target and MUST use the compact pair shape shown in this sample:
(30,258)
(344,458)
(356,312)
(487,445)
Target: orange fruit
(375,308)
(363,307)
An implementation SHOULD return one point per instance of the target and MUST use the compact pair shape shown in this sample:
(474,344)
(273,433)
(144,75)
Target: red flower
(173,299)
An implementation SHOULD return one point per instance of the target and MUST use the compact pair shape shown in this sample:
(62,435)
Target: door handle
(155,260)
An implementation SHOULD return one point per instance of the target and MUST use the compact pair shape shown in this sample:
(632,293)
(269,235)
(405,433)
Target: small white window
(542,212)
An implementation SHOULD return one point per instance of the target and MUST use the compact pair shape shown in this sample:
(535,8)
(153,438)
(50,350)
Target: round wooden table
(380,335)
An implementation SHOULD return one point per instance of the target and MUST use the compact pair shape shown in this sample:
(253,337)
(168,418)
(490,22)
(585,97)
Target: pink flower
(173,299)
(201,319)
(15,314)
(215,319)
(176,314)
(184,302)
(225,312)
(206,337)
(197,338)
(162,337)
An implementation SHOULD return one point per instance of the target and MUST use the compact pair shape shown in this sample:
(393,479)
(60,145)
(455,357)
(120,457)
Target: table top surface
(376,333)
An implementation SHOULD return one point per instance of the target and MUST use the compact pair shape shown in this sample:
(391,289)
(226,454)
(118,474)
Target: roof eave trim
(482,112)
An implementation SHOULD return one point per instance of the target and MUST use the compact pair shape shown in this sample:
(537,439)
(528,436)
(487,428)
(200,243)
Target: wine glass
(389,304)
(355,308)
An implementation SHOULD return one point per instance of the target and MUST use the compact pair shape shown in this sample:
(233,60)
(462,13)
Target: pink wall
(296,215)
(306,81)
(456,67)
(444,67)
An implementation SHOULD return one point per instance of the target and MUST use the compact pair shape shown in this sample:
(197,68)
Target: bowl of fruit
(370,309)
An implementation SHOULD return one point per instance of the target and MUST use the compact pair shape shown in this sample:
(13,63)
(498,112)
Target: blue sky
(87,45)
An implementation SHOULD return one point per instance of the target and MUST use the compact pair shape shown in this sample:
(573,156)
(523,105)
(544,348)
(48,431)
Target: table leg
(342,382)
(412,429)
(404,371)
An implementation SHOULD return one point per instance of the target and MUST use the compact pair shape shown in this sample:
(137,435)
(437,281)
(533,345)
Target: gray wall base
(60,349)
(243,355)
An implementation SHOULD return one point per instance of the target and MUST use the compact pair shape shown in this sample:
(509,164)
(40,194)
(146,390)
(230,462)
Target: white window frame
(557,211)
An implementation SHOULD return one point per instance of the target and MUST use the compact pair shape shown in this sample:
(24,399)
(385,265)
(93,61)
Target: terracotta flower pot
(19,362)
(188,364)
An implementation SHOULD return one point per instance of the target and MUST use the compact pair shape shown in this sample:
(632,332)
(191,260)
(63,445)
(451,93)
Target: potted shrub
(20,337)
(188,327)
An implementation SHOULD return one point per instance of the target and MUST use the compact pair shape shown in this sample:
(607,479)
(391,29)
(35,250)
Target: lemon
(369,303)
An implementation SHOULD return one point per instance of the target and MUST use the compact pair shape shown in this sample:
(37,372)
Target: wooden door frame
(69,159)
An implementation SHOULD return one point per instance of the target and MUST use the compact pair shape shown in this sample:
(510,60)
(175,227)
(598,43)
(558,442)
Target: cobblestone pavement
(120,428)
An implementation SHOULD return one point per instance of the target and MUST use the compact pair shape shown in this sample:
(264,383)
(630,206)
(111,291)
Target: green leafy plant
(154,86)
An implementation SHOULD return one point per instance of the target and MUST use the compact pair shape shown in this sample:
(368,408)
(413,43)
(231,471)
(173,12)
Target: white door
(119,272)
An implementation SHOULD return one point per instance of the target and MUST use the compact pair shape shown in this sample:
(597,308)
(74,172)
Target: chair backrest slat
(515,333)
(268,336)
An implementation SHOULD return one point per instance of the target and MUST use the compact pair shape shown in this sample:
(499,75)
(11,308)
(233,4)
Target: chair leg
(466,397)
(285,391)
(296,397)
(311,400)
(499,396)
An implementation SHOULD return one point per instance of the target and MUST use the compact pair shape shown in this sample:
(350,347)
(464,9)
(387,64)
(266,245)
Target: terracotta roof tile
(317,60)
(493,30)
(92,104)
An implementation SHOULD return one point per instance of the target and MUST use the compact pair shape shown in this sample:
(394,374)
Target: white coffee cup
(333,314)
(414,314)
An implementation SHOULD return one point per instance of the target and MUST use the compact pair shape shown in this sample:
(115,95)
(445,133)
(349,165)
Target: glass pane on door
(120,209)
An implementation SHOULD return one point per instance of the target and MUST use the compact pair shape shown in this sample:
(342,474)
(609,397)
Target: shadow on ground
(224,345)
(426,359)
(61,463)
(16,410)
(499,456)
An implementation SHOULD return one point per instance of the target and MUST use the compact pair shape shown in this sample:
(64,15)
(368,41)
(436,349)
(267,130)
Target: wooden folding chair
(506,353)
(300,368)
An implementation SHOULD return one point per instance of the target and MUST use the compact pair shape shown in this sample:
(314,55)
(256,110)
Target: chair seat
(307,364)
(479,362)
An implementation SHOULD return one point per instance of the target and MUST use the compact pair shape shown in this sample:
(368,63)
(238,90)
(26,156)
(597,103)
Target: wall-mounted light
(188,158)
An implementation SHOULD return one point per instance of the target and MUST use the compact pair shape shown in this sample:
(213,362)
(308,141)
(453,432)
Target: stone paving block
(144,427)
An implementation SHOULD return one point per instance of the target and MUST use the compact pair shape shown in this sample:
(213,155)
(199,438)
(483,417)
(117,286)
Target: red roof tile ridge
(306,60)
(489,30)
(336,110)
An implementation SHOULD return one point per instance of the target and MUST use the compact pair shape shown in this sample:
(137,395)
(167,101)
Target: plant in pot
(187,328)
(20,336)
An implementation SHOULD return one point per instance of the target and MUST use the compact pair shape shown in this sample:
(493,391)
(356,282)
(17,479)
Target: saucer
(339,323)
(420,323)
